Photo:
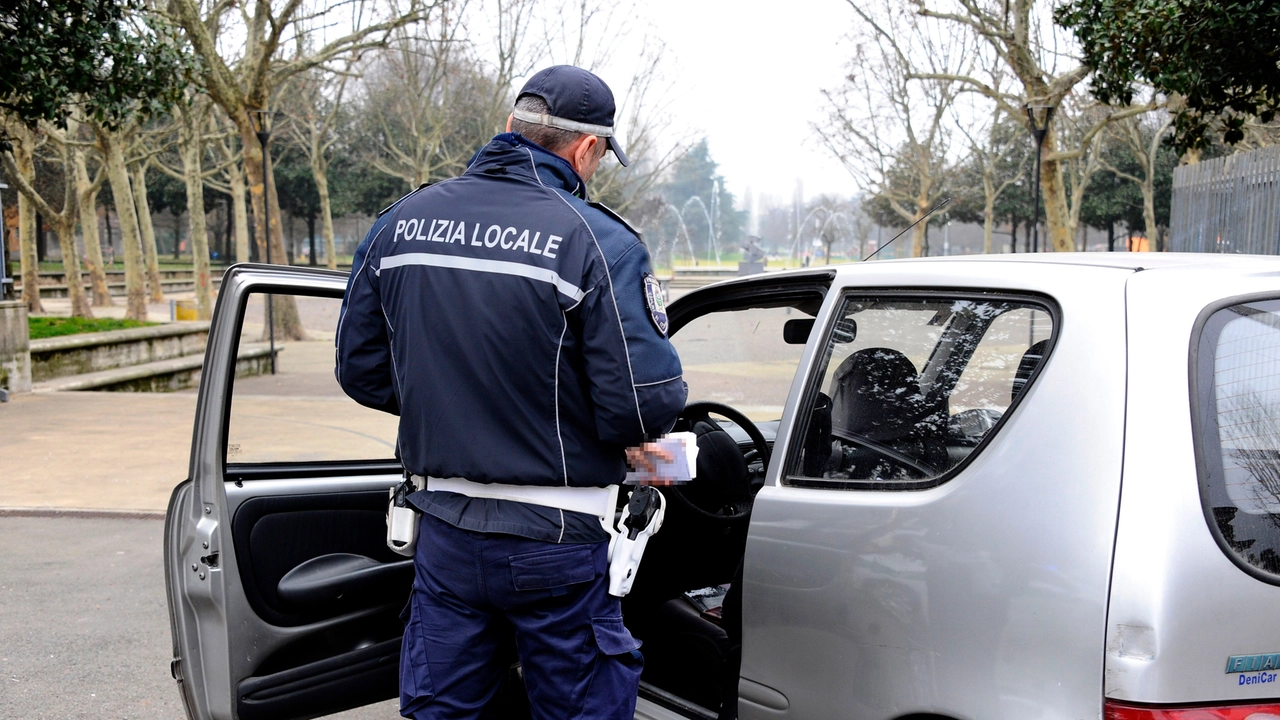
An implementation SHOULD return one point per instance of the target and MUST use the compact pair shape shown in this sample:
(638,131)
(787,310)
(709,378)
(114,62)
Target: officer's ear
(583,153)
(510,117)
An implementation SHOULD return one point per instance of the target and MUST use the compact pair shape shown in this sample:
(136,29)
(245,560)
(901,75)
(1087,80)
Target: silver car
(1041,486)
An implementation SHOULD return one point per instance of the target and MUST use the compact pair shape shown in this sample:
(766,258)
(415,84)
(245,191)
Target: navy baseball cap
(577,100)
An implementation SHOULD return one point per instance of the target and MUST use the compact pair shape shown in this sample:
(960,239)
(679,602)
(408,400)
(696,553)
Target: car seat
(876,396)
(1031,360)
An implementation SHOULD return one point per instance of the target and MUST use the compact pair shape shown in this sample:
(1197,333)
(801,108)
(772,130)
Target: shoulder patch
(388,208)
(610,212)
(656,302)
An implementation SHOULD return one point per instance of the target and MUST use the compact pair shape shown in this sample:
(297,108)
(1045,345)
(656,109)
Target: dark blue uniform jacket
(504,319)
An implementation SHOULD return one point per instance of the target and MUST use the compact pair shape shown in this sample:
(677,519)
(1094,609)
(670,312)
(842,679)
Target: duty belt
(627,539)
(598,501)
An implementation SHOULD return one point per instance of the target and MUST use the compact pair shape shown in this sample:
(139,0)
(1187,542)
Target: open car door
(284,600)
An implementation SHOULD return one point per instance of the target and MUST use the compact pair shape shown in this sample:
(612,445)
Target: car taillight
(1119,711)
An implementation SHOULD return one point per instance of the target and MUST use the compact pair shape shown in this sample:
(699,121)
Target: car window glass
(299,414)
(1243,492)
(990,376)
(911,386)
(740,358)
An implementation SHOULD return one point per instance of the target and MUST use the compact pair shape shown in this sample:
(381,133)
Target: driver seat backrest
(1031,360)
(875,394)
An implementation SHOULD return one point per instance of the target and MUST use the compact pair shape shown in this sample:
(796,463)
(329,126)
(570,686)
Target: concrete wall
(92,352)
(15,355)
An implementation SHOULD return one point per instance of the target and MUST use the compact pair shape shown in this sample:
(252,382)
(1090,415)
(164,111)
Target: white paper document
(683,467)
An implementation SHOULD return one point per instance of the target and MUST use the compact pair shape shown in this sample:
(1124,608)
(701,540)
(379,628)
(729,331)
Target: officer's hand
(646,457)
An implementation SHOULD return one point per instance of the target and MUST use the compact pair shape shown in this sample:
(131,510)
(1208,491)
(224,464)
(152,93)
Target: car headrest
(1030,361)
(875,393)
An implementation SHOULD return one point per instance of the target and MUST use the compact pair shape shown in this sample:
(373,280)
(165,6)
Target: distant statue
(753,258)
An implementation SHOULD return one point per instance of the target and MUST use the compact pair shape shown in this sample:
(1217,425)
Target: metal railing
(1228,205)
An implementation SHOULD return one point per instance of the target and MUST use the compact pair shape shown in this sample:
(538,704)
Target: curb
(81,513)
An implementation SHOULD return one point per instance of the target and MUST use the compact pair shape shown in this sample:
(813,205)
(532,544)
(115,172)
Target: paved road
(84,627)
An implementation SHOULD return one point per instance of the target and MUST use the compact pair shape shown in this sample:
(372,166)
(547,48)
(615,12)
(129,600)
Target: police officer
(516,329)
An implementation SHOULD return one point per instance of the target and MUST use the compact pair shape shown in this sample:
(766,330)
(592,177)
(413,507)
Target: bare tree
(313,114)
(87,197)
(886,124)
(1142,139)
(994,148)
(1034,51)
(236,187)
(243,84)
(20,165)
(192,148)
(430,100)
(111,145)
(588,34)
(151,257)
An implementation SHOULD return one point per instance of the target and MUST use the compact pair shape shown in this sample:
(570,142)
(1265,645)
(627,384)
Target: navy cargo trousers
(577,658)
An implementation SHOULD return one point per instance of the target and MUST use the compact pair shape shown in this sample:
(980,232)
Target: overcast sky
(747,75)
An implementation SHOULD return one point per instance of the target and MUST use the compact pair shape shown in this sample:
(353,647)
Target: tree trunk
(66,232)
(148,230)
(988,221)
(240,211)
(1013,235)
(42,250)
(88,197)
(1149,211)
(262,192)
(191,148)
(918,238)
(177,235)
(1057,215)
(1111,237)
(29,262)
(227,249)
(118,176)
(311,238)
(111,241)
(320,171)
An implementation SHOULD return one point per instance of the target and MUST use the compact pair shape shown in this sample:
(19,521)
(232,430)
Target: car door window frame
(271,470)
(791,475)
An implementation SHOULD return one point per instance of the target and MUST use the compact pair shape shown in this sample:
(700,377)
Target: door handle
(342,576)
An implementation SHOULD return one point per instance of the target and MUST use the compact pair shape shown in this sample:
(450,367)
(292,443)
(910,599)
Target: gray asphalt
(84,627)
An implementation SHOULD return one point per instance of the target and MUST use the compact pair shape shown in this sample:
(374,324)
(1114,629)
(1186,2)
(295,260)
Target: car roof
(1221,265)
(1122,261)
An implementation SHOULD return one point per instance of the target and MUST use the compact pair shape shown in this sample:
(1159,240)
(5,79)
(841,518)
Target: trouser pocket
(416,689)
(615,679)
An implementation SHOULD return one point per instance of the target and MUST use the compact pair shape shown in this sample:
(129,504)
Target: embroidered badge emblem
(657,303)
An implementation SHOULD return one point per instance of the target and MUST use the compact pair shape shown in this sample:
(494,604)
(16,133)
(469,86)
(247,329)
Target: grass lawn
(46,327)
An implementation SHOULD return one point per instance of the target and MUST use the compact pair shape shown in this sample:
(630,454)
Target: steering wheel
(888,453)
(726,509)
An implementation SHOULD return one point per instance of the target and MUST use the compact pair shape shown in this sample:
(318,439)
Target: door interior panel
(311,559)
(336,682)
(277,536)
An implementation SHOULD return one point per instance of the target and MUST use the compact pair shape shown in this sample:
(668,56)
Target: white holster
(643,517)
(402,518)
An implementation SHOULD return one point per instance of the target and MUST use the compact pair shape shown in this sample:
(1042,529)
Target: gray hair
(553,139)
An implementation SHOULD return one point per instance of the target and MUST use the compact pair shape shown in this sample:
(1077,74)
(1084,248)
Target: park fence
(1228,205)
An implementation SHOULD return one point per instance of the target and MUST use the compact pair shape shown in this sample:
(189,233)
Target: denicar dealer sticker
(656,302)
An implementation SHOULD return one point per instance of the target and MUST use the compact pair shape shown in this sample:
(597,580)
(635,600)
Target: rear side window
(910,387)
(1238,428)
